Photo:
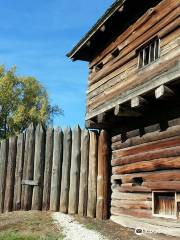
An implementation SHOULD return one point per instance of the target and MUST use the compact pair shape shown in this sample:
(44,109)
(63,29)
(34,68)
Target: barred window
(149,53)
(164,204)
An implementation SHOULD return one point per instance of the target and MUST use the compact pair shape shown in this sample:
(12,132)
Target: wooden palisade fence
(55,170)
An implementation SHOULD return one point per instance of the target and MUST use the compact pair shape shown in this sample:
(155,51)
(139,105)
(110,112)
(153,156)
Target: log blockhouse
(133,92)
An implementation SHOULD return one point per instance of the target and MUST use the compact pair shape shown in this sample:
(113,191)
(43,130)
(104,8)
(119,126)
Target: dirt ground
(114,231)
(34,225)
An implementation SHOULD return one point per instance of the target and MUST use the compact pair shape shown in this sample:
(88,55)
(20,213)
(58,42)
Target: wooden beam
(101,117)
(30,182)
(163,92)
(91,124)
(137,102)
(88,44)
(171,75)
(103,28)
(123,112)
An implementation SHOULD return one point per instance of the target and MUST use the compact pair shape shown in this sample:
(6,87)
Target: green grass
(28,226)
(19,236)
(90,226)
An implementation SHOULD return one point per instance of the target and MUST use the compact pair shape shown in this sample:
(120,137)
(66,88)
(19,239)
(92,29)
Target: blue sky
(35,35)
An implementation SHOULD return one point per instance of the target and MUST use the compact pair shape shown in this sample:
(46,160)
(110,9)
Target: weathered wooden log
(75,171)
(155,145)
(39,159)
(149,137)
(165,175)
(141,213)
(92,179)
(102,180)
(174,122)
(28,168)
(3,170)
(152,128)
(163,92)
(146,156)
(56,170)
(48,168)
(10,177)
(19,172)
(83,187)
(130,188)
(116,139)
(131,196)
(66,166)
(163,185)
(131,204)
(133,133)
(157,164)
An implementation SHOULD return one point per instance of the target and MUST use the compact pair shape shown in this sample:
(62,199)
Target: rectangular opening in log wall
(164,204)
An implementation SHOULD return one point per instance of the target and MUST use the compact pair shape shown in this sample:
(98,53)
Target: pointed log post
(48,168)
(19,172)
(3,170)
(92,179)
(56,170)
(65,182)
(103,176)
(83,187)
(38,168)
(75,171)
(28,168)
(10,177)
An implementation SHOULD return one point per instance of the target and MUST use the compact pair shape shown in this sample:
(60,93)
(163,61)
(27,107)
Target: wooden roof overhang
(137,103)
(105,30)
(85,47)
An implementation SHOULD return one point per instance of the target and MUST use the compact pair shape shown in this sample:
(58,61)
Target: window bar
(155,48)
(143,60)
(158,41)
(149,54)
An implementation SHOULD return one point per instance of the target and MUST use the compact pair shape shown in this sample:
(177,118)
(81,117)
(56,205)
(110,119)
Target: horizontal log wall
(142,164)
(121,74)
(55,170)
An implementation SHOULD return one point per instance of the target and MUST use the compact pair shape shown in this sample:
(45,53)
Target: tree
(22,100)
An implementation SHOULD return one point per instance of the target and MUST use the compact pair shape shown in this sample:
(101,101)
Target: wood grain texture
(39,160)
(147,156)
(3,170)
(164,175)
(92,179)
(19,172)
(75,171)
(141,213)
(83,186)
(157,164)
(66,166)
(56,170)
(48,168)
(103,176)
(10,177)
(171,132)
(28,169)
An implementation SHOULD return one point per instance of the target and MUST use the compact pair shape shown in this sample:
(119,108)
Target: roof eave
(118,4)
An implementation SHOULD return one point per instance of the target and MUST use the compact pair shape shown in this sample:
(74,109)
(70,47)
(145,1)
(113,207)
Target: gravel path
(74,230)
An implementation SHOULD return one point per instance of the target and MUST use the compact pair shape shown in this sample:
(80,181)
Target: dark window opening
(137,181)
(164,204)
(116,53)
(149,53)
(118,182)
(99,66)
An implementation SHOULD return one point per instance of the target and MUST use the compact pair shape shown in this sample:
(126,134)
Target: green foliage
(22,100)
